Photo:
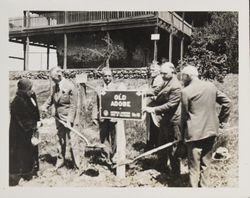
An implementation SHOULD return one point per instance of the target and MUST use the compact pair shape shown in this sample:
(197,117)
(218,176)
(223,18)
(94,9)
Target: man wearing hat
(166,113)
(64,99)
(200,122)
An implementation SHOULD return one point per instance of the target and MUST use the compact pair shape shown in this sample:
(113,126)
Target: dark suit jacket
(64,100)
(166,102)
(199,117)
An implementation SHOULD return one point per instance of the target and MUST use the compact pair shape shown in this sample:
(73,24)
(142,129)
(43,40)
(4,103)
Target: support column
(65,42)
(65,52)
(182,38)
(48,57)
(28,19)
(26,54)
(24,18)
(182,46)
(170,50)
(66,14)
(155,45)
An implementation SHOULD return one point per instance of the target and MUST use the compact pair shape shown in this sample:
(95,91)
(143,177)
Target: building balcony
(38,20)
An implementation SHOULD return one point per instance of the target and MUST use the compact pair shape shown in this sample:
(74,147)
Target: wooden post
(24,19)
(182,46)
(85,98)
(121,148)
(48,56)
(66,17)
(155,44)
(65,52)
(170,47)
(170,50)
(26,54)
(182,38)
(28,19)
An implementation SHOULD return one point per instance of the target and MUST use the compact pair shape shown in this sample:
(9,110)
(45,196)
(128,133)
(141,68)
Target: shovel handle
(148,153)
(75,131)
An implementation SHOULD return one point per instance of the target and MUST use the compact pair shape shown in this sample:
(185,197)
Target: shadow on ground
(173,181)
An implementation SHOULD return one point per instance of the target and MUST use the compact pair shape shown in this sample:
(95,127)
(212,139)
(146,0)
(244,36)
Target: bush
(214,48)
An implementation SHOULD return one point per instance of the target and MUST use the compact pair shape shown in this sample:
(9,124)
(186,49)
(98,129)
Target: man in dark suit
(152,129)
(107,127)
(200,122)
(166,113)
(64,99)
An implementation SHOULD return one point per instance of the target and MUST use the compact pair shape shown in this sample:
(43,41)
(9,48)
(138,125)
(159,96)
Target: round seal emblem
(105,112)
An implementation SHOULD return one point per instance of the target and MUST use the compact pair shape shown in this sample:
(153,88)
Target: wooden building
(80,37)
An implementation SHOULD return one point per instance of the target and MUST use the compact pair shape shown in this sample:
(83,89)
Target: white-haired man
(167,117)
(200,122)
(64,99)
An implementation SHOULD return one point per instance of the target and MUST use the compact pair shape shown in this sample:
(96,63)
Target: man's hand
(39,124)
(113,120)
(223,125)
(95,122)
(69,124)
(149,109)
(43,109)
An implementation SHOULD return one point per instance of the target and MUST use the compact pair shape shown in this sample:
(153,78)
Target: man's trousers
(199,159)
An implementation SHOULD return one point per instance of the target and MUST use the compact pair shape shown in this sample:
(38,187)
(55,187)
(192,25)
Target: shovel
(80,135)
(147,153)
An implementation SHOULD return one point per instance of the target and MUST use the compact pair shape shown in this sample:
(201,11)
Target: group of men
(64,98)
(179,111)
(186,112)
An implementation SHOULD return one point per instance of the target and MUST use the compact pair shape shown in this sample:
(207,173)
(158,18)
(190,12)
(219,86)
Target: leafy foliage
(214,48)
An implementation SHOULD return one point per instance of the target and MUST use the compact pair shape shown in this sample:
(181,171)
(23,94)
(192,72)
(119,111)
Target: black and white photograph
(121,98)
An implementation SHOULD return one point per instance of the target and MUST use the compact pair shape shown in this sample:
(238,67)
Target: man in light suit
(167,114)
(64,99)
(200,122)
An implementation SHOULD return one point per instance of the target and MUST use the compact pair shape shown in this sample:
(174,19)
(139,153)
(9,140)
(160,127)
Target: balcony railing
(74,17)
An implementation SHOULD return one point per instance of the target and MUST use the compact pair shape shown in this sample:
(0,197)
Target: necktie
(152,82)
(57,88)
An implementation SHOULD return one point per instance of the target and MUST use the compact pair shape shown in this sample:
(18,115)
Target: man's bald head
(107,75)
(56,74)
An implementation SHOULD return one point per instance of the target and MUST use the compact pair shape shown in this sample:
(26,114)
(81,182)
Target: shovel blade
(123,163)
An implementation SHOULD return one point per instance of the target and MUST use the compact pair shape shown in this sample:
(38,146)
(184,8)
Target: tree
(214,48)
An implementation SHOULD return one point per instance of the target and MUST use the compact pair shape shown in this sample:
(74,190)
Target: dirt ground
(145,172)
